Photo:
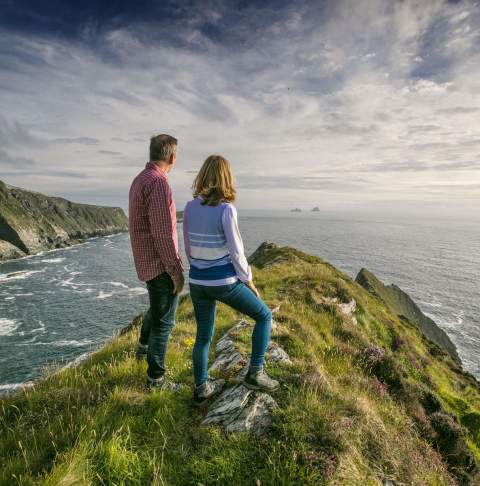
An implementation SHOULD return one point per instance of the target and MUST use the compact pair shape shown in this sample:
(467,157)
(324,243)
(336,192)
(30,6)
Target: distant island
(31,222)
(296,210)
(316,209)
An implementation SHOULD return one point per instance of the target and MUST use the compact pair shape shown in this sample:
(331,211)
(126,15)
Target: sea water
(58,306)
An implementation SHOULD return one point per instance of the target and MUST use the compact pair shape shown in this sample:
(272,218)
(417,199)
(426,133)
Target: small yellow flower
(189,342)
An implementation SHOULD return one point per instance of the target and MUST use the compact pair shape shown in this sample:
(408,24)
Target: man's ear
(171,159)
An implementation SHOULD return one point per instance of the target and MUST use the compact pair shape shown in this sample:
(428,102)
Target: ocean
(63,304)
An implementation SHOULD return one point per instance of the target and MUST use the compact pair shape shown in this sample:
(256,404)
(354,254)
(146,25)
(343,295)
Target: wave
(138,290)
(78,360)
(62,343)
(40,328)
(54,260)
(119,284)
(104,295)
(7,388)
(73,343)
(20,275)
(8,326)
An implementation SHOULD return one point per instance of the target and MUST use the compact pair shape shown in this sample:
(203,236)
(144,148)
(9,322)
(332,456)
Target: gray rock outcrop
(238,409)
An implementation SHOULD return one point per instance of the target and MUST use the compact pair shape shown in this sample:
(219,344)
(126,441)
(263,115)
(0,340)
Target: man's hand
(178,283)
(252,287)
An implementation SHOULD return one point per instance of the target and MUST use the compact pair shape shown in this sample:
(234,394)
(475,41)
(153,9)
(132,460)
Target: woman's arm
(186,237)
(235,244)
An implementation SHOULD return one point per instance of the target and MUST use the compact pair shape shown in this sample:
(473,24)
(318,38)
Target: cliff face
(31,222)
(402,305)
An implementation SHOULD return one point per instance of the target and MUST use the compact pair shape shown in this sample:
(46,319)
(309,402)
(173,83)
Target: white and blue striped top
(213,244)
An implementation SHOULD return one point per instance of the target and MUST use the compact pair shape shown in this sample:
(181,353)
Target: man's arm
(160,209)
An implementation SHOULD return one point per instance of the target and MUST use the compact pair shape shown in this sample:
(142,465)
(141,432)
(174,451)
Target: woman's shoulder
(229,209)
(191,202)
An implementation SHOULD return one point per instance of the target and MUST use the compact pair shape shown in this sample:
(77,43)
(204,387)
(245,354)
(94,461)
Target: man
(153,235)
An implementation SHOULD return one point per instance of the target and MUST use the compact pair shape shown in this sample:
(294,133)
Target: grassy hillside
(31,221)
(362,402)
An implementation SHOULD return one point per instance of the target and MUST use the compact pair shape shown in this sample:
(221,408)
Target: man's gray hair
(162,147)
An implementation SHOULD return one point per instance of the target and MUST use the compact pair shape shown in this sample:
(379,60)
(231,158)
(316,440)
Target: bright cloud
(356,101)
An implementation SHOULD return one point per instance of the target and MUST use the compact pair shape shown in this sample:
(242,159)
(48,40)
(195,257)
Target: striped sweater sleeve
(235,243)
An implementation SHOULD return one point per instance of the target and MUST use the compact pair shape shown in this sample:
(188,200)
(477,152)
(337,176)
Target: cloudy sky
(341,103)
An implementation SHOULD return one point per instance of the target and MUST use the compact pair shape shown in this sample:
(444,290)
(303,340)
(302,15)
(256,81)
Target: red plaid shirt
(153,225)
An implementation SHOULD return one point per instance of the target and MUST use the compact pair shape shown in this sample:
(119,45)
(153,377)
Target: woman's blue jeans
(239,297)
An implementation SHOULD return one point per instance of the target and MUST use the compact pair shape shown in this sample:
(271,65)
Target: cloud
(7,160)
(77,140)
(300,96)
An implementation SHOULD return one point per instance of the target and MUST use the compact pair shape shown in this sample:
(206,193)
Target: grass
(360,403)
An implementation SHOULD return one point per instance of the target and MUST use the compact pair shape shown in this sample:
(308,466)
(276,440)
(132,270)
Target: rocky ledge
(238,409)
(31,222)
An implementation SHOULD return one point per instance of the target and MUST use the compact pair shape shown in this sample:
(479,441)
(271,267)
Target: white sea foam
(10,298)
(78,360)
(8,326)
(7,388)
(431,304)
(21,275)
(53,260)
(62,343)
(75,273)
(40,328)
(24,295)
(73,343)
(104,295)
(119,284)
(138,290)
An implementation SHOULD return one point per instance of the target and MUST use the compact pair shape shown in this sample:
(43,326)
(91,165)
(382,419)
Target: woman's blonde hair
(215,182)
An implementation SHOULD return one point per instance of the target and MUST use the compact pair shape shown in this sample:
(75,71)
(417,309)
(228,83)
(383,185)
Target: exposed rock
(276,354)
(9,251)
(31,222)
(345,308)
(400,303)
(239,409)
(349,308)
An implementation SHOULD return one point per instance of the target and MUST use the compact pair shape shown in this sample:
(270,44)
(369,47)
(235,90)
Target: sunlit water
(67,302)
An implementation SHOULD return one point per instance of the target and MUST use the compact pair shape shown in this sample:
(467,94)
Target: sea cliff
(365,399)
(31,222)
(400,303)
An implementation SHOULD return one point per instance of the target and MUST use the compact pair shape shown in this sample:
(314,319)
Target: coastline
(68,244)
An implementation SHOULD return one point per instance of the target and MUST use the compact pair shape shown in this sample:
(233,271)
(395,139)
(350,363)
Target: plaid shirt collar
(152,166)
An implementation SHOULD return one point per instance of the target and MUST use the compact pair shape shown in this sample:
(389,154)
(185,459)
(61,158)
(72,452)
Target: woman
(220,271)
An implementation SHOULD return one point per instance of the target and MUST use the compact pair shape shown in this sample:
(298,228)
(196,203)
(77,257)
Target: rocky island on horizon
(31,222)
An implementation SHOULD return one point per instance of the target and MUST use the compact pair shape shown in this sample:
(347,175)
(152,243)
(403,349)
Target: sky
(338,104)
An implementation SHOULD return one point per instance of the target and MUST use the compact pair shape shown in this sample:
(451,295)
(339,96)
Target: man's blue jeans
(239,297)
(158,322)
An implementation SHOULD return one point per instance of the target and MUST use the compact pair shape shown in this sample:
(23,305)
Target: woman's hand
(252,287)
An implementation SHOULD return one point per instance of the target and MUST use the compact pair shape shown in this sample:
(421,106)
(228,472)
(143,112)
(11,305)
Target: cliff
(365,400)
(403,306)
(31,222)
